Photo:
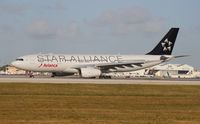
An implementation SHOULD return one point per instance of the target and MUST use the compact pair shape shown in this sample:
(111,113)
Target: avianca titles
(88,66)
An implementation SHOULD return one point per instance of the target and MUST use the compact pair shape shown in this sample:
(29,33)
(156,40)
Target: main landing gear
(30,74)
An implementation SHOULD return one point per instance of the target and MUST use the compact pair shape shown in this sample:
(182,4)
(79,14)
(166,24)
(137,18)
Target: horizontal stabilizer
(181,56)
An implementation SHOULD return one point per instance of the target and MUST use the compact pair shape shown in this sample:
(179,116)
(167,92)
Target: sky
(97,27)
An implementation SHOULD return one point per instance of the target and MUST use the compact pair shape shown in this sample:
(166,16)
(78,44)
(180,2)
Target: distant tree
(3,68)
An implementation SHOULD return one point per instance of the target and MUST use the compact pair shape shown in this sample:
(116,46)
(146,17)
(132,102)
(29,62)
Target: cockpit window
(19,59)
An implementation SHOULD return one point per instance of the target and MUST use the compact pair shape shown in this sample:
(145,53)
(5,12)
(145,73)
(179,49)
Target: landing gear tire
(52,75)
(30,74)
(105,77)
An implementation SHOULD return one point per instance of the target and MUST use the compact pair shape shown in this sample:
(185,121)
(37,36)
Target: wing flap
(104,66)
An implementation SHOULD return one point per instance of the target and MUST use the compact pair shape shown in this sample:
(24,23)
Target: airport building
(173,71)
(161,71)
(12,70)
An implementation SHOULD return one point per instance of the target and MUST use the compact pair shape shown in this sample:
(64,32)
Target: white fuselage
(71,63)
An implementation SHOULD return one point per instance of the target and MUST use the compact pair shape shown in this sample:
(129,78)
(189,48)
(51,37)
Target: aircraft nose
(14,63)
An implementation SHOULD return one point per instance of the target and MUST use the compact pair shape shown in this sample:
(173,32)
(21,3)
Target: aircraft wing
(106,66)
(120,64)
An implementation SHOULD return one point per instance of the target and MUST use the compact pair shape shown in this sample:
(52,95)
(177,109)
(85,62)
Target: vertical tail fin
(166,45)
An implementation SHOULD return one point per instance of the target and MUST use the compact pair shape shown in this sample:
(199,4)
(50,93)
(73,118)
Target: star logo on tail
(166,45)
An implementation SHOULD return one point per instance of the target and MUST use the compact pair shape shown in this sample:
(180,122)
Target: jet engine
(90,72)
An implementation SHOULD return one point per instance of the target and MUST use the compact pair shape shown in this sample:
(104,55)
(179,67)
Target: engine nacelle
(90,72)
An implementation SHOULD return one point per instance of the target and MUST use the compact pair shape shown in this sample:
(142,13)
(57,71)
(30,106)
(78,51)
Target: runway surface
(95,81)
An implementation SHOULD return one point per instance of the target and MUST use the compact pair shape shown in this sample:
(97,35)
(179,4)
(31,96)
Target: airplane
(96,66)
